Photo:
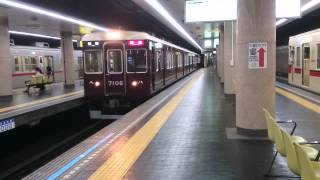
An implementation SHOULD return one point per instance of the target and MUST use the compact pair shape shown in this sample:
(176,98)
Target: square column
(221,54)
(255,65)
(67,56)
(5,59)
(229,57)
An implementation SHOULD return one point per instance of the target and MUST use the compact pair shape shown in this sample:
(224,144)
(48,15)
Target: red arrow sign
(261,57)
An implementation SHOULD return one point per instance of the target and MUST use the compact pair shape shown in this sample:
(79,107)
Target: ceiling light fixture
(309,5)
(52,14)
(164,13)
(281,21)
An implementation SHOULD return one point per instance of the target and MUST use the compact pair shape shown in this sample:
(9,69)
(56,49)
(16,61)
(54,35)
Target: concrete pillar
(218,60)
(255,87)
(67,55)
(5,60)
(229,71)
(221,54)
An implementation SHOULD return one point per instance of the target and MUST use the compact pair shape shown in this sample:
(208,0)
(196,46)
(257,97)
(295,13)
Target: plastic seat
(310,170)
(268,116)
(39,79)
(292,160)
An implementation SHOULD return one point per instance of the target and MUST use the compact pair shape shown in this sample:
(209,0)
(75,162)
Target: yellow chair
(310,170)
(275,136)
(39,79)
(291,155)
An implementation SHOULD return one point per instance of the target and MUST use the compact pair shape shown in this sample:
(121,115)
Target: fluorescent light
(34,35)
(281,21)
(37,35)
(309,5)
(52,14)
(164,13)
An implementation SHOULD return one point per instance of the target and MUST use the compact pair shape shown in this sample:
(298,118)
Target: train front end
(116,74)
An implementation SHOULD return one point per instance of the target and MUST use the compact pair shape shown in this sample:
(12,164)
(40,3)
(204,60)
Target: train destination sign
(257,55)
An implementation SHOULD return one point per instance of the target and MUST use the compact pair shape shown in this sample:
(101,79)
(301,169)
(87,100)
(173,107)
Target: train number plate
(7,124)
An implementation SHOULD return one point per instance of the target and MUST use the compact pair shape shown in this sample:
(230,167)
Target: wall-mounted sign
(7,124)
(258,54)
(222,10)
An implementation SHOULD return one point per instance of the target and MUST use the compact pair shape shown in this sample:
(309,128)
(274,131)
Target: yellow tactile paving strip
(305,103)
(119,163)
(38,102)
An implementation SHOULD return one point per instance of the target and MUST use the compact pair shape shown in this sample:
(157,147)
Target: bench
(38,82)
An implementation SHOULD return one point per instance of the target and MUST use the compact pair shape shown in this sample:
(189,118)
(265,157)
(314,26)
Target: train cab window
(298,57)
(114,61)
(93,62)
(318,56)
(136,61)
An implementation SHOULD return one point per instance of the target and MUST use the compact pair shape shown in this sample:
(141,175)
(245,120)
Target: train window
(93,62)
(137,60)
(298,57)
(291,49)
(318,56)
(25,64)
(306,52)
(158,60)
(114,61)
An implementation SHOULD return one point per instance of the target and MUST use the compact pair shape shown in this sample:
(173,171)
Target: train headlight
(134,83)
(97,83)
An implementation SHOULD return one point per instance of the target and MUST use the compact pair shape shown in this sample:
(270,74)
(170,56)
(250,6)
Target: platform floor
(188,138)
(56,89)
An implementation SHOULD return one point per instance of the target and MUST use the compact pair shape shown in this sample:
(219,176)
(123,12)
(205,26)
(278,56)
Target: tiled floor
(193,143)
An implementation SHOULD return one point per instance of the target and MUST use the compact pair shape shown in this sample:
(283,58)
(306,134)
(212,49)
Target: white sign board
(258,54)
(222,10)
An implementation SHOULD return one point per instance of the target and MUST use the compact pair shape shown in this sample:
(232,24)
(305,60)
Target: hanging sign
(257,58)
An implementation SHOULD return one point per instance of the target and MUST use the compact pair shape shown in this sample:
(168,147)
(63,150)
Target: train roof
(128,35)
(313,32)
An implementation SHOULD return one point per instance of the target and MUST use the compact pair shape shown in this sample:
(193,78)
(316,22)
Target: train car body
(26,58)
(304,61)
(282,55)
(126,66)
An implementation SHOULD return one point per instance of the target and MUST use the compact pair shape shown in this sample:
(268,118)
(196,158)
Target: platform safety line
(305,103)
(67,166)
(119,163)
(37,102)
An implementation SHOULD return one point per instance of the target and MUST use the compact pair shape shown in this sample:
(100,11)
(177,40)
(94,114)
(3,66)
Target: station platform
(23,108)
(185,132)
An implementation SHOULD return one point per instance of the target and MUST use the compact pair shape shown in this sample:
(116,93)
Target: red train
(125,66)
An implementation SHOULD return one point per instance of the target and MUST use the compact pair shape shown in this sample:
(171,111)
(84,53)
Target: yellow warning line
(305,103)
(119,163)
(16,107)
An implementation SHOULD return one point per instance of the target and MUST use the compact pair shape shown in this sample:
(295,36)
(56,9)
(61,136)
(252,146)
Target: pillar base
(253,132)
(7,97)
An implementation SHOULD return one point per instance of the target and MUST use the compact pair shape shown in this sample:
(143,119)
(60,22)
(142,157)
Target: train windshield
(114,61)
(136,61)
(93,62)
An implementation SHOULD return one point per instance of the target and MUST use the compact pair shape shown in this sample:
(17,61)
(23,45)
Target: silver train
(26,58)
(300,60)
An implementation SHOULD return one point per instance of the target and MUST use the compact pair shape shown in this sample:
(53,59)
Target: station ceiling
(133,15)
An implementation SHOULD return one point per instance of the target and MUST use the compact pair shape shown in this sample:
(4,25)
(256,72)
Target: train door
(114,69)
(80,61)
(291,61)
(306,64)
(49,65)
